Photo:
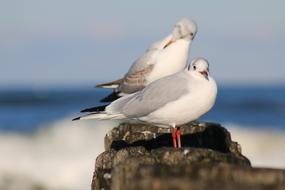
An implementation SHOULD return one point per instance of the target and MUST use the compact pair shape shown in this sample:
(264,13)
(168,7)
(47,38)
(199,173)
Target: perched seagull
(170,101)
(161,59)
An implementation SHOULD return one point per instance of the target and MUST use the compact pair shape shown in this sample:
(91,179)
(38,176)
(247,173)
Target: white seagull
(170,101)
(161,59)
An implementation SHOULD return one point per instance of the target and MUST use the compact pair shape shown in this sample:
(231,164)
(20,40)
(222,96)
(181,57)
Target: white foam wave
(263,146)
(62,156)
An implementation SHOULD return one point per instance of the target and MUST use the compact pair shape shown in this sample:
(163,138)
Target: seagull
(169,102)
(161,59)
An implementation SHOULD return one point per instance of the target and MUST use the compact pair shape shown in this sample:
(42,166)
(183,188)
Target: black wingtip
(95,109)
(111,97)
(85,110)
(78,118)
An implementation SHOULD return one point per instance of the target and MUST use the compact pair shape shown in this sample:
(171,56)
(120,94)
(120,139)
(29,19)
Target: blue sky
(64,42)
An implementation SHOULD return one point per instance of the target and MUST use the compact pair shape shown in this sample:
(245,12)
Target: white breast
(170,60)
(189,107)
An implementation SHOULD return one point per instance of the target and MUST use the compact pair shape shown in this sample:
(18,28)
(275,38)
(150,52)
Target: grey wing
(155,96)
(135,79)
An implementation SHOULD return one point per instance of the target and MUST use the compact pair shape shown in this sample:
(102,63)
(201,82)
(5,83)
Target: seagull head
(199,67)
(183,29)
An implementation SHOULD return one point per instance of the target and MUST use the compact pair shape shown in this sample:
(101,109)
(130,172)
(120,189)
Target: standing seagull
(170,101)
(161,59)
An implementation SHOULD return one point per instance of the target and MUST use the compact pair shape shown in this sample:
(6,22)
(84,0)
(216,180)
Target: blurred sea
(24,111)
(41,147)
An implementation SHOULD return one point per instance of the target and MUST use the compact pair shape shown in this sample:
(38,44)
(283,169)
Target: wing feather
(151,98)
(135,80)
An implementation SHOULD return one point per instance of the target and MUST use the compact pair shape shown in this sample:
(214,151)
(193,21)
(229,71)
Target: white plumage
(162,58)
(169,101)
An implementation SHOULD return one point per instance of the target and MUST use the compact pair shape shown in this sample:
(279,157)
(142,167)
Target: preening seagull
(161,59)
(170,101)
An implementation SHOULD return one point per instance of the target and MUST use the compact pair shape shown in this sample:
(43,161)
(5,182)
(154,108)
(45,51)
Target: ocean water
(42,148)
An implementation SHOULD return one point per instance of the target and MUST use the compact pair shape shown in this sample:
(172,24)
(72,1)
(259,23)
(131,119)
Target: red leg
(178,134)
(174,137)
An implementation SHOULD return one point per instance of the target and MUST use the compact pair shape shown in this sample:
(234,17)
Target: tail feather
(113,84)
(100,116)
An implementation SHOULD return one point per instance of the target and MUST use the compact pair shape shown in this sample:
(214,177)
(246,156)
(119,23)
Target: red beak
(167,44)
(205,74)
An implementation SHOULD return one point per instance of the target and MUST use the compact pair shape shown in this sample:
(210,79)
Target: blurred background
(52,53)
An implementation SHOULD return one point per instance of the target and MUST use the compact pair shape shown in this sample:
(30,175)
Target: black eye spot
(191,34)
(194,67)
